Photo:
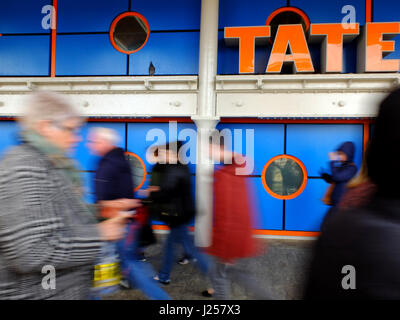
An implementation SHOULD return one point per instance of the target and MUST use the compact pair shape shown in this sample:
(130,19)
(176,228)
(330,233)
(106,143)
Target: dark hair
(215,135)
(383,154)
(173,146)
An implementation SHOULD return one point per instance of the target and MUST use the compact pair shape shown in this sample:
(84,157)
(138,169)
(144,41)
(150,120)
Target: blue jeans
(139,274)
(180,235)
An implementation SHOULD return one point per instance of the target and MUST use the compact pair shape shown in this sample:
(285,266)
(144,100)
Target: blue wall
(310,143)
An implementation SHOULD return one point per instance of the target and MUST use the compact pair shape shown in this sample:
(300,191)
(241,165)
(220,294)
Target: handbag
(327,199)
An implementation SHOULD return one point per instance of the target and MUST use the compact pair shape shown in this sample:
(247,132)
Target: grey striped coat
(43,222)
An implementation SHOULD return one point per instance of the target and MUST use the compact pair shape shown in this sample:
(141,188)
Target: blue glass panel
(306,212)
(330,11)
(267,210)
(170,15)
(25,55)
(88,55)
(268,141)
(23,16)
(88,184)
(312,143)
(171,54)
(88,15)
(9,136)
(235,13)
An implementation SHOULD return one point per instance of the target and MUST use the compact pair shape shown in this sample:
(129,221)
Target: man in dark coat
(114,192)
(358,254)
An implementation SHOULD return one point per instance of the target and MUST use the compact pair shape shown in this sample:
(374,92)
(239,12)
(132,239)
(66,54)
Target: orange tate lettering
(333,35)
(375,46)
(292,36)
(247,37)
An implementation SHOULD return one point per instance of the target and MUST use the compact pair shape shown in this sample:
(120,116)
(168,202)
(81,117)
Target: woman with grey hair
(49,238)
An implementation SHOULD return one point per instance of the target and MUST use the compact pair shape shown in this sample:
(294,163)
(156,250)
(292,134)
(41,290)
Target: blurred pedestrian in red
(232,237)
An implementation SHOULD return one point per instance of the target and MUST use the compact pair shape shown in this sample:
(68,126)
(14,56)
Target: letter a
(349,281)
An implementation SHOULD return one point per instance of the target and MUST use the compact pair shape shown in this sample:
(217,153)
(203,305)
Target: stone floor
(281,269)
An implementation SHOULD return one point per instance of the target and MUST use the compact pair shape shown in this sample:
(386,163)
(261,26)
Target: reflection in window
(138,170)
(130,33)
(284,176)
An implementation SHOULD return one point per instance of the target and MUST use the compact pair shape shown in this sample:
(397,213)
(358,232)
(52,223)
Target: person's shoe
(162,281)
(183,261)
(206,294)
(142,258)
(124,284)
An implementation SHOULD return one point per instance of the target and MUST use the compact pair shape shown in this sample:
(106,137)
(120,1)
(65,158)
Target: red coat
(232,225)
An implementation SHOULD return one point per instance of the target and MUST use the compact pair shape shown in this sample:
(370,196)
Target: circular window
(287,15)
(284,177)
(129,32)
(139,172)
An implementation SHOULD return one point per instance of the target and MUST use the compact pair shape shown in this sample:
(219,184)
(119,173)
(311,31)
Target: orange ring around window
(144,168)
(118,18)
(292,9)
(293,195)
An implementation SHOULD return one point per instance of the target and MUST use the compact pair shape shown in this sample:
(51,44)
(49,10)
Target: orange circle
(292,9)
(293,195)
(144,168)
(114,23)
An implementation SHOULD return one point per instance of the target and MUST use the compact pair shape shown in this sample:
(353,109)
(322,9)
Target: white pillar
(205,119)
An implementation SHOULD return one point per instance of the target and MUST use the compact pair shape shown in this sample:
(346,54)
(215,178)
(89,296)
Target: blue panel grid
(170,15)
(9,136)
(235,13)
(88,55)
(23,16)
(25,55)
(330,11)
(88,15)
(174,53)
(268,142)
(267,210)
(306,212)
(312,143)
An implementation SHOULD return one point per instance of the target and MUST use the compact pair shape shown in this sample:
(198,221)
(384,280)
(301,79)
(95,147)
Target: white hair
(107,134)
(47,105)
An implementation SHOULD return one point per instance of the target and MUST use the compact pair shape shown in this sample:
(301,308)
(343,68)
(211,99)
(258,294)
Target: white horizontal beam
(100,84)
(315,83)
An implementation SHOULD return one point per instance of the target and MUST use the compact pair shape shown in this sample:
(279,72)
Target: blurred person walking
(114,192)
(360,189)
(358,254)
(44,222)
(172,199)
(232,238)
(342,171)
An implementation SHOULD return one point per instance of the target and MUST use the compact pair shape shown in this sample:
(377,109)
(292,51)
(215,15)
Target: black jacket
(114,177)
(367,239)
(175,186)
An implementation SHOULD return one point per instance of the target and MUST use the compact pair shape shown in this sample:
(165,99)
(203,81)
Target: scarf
(57,157)
(63,163)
